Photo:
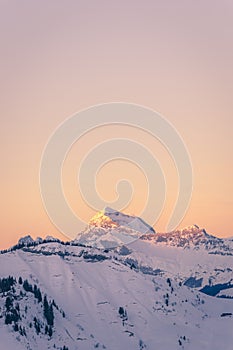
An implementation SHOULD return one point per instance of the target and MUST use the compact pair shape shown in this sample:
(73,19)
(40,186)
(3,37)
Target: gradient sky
(58,57)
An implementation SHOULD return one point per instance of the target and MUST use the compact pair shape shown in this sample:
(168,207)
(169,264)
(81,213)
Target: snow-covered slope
(104,302)
(161,291)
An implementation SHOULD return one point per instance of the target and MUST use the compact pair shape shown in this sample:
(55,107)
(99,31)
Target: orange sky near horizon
(58,57)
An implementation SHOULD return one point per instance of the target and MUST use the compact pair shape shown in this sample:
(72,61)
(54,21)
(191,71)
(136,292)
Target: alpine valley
(118,286)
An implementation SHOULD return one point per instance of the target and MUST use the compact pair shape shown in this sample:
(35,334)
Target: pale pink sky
(58,57)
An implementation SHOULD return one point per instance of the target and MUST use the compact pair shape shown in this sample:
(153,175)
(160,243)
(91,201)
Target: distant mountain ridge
(110,228)
(193,237)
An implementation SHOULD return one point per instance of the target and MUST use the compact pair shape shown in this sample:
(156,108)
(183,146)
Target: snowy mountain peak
(193,227)
(110,228)
(192,231)
(102,220)
(26,240)
(111,218)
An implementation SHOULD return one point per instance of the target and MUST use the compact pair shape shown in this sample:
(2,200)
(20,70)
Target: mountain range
(119,285)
